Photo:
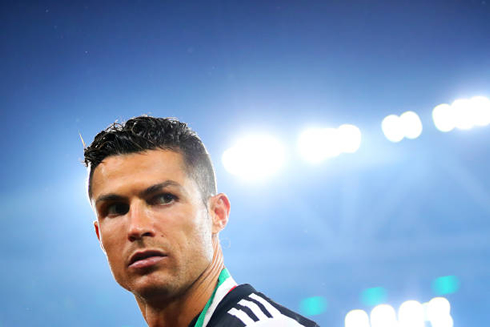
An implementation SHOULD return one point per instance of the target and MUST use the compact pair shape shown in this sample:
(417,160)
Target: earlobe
(220,207)
(97,232)
(96,227)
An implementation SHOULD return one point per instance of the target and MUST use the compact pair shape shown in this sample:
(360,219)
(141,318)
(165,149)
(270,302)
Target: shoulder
(245,307)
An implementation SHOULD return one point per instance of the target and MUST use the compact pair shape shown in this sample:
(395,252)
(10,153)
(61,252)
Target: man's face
(151,222)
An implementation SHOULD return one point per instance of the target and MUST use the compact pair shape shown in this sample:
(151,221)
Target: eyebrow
(158,187)
(145,193)
(109,198)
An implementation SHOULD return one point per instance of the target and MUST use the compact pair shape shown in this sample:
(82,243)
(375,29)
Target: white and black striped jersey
(243,306)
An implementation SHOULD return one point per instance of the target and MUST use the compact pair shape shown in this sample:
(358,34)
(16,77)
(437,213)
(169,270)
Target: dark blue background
(391,215)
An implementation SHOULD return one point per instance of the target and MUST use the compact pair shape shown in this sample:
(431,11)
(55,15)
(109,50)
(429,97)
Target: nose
(140,223)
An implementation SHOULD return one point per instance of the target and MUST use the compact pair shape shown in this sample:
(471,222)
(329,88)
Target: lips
(145,258)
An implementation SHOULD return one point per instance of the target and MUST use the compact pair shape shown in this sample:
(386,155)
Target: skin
(147,201)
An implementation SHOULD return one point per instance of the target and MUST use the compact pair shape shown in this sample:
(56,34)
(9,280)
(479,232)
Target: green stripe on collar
(224,275)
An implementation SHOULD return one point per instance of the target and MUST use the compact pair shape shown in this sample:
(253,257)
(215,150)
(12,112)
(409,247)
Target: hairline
(192,171)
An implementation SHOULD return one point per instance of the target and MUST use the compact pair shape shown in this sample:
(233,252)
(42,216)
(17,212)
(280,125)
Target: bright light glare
(444,117)
(411,124)
(481,110)
(407,125)
(254,157)
(383,315)
(443,322)
(357,318)
(349,138)
(464,113)
(411,314)
(318,144)
(438,310)
(392,128)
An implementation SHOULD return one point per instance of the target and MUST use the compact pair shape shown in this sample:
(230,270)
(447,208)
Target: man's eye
(166,198)
(117,209)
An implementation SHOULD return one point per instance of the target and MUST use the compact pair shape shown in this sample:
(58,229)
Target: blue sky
(391,215)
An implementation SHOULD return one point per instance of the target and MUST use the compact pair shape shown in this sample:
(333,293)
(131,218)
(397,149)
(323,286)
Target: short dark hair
(144,133)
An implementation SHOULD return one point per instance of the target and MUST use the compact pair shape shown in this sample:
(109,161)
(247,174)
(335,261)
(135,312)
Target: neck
(179,311)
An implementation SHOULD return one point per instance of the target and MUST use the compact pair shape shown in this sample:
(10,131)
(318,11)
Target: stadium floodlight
(443,322)
(318,144)
(463,111)
(411,314)
(357,318)
(383,315)
(463,114)
(411,124)
(254,157)
(349,138)
(481,110)
(406,125)
(444,117)
(392,128)
(439,312)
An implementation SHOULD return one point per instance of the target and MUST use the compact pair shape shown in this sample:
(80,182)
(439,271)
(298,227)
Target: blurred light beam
(254,157)
(318,144)
(392,128)
(357,318)
(412,125)
(411,314)
(349,138)
(444,117)
(383,315)
(463,114)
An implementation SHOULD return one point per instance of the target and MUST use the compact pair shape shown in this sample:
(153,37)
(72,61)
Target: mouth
(143,259)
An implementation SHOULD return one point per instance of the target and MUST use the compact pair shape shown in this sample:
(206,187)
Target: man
(152,186)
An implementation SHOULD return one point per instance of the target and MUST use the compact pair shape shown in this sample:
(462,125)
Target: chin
(149,287)
(154,292)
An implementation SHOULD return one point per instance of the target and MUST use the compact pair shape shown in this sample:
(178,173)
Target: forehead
(120,173)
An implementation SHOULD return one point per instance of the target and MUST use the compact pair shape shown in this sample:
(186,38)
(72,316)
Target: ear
(220,211)
(97,232)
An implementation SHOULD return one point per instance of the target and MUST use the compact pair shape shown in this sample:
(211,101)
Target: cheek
(204,236)
(195,235)
(112,245)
